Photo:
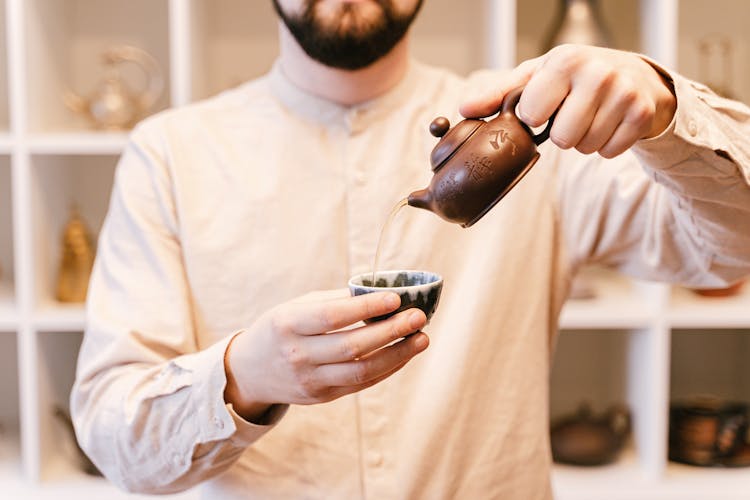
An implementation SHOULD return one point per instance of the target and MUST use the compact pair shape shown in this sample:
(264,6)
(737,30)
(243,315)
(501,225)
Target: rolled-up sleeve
(147,403)
(675,207)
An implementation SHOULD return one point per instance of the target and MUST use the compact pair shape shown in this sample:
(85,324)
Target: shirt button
(218,423)
(375,459)
(177,460)
(692,128)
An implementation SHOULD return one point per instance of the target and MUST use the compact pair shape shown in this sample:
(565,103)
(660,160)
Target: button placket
(378,477)
(363,222)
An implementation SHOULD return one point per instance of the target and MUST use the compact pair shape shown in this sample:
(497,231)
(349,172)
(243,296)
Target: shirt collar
(354,118)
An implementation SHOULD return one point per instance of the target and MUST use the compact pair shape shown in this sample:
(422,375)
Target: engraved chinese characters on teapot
(112,106)
(477,162)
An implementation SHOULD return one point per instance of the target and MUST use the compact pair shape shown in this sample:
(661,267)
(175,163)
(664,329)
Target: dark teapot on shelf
(477,162)
(587,439)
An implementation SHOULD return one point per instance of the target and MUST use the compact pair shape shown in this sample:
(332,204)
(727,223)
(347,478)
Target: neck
(342,86)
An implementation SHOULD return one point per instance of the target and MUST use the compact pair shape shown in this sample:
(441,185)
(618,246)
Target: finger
(319,295)
(314,318)
(337,392)
(635,124)
(575,116)
(545,91)
(372,366)
(354,344)
(489,102)
(608,117)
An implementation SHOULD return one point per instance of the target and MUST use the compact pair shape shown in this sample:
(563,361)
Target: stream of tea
(383,232)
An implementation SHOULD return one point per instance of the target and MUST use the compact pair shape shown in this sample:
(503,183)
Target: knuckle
(295,356)
(560,140)
(369,307)
(327,316)
(586,147)
(395,330)
(309,387)
(629,95)
(603,76)
(280,322)
(360,372)
(531,118)
(351,349)
(641,113)
(565,57)
(606,154)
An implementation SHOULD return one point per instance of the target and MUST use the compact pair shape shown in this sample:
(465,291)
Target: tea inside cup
(420,289)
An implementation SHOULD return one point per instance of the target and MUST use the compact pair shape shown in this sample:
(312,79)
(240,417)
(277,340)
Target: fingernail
(416,319)
(392,300)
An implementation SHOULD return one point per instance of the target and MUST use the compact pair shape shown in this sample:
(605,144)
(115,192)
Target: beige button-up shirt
(228,207)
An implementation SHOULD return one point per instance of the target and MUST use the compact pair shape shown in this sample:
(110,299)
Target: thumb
(489,102)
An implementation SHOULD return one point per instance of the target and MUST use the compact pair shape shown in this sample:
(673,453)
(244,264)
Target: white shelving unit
(638,343)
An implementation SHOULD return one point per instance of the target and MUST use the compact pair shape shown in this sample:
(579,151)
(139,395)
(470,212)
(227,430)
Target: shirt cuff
(692,130)
(216,419)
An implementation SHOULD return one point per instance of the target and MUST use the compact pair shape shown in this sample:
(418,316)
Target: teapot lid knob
(439,126)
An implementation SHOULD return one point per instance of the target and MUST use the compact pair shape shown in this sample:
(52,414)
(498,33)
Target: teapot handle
(509,106)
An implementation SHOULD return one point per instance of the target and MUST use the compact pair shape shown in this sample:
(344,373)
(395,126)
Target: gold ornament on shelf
(77,261)
(113,106)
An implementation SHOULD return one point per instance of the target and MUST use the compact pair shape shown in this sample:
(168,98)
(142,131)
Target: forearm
(159,428)
(703,159)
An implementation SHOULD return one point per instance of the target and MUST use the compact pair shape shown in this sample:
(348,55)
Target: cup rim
(438,281)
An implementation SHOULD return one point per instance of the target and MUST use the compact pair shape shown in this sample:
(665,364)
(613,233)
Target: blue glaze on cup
(420,289)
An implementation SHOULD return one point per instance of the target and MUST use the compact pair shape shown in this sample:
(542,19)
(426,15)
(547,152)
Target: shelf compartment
(8,310)
(10,453)
(80,143)
(710,362)
(690,310)
(64,43)
(57,354)
(618,302)
(232,41)
(58,183)
(603,369)
(457,41)
(718,21)
(535,19)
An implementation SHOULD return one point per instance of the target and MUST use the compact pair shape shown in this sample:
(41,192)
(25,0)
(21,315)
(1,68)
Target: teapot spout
(421,199)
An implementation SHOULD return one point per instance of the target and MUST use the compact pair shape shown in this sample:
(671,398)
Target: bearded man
(220,349)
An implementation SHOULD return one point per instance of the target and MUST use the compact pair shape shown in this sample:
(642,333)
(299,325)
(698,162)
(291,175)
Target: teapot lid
(450,138)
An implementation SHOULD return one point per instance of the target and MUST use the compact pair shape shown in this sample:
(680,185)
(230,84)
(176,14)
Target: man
(207,360)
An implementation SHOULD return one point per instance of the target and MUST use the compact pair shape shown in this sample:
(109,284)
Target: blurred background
(75,75)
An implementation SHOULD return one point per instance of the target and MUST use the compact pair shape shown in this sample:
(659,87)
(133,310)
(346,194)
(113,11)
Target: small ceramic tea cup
(420,289)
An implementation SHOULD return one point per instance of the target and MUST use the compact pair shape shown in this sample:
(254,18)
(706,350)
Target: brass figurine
(77,261)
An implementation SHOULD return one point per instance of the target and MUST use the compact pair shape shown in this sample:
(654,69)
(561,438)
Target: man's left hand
(607,99)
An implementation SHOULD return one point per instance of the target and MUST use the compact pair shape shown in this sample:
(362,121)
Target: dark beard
(349,49)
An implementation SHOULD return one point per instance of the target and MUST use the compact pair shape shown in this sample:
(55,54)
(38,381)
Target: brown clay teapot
(587,439)
(476,163)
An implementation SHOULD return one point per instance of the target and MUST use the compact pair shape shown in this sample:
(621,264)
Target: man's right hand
(297,353)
